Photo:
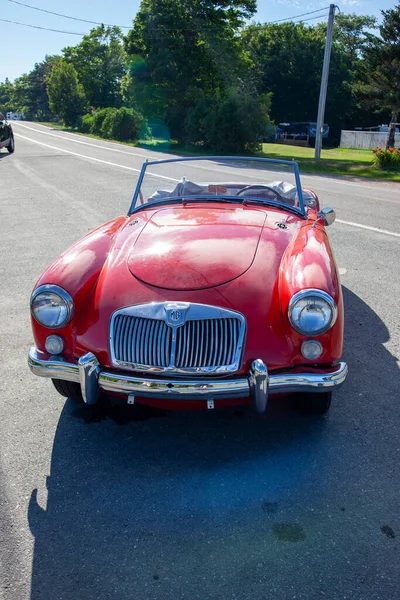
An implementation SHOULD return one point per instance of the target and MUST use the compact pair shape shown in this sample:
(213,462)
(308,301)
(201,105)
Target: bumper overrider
(257,385)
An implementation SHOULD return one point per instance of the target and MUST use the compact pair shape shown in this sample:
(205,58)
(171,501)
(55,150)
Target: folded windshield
(229,179)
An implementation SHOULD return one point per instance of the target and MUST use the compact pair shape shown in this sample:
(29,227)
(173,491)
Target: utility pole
(324,83)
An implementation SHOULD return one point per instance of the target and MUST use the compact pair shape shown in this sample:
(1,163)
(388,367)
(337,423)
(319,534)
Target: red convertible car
(218,288)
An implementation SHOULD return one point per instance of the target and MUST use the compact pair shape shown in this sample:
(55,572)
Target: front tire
(11,145)
(314,403)
(69,389)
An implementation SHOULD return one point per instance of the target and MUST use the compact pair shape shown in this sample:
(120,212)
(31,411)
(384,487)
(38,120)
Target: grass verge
(346,162)
(337,161)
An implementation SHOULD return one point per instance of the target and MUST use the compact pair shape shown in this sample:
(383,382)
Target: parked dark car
(6,135)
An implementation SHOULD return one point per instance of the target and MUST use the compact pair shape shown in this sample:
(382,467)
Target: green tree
(179,46)
(382,69)
(20,94)
(28,93)
(37,101)
(66,95)
(288,59)
(352,33)
(6,96)
(100,63)
(351,37)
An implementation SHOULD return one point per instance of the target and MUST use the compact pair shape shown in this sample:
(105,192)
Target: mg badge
(175,313)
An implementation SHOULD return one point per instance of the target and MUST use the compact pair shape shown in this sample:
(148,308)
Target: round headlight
(51,306)
(312,312)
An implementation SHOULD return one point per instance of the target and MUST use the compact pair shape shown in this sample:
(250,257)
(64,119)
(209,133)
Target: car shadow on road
(173,505)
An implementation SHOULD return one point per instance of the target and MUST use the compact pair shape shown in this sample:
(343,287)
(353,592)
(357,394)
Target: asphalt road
(198,506)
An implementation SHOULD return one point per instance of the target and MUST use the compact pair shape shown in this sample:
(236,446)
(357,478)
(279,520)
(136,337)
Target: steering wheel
(276,195)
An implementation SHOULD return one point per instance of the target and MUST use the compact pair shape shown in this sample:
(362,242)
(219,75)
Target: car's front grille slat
(201,340)
(221,343)
(157,345)
(210,337)
(231,327)
(192,343)
(216,342)
(199,343)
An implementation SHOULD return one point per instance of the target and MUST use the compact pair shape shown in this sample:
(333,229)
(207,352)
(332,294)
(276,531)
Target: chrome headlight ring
(51,306)
(314,323)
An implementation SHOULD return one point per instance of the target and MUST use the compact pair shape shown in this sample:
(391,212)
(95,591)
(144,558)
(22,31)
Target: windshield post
(298,185)
(138,186)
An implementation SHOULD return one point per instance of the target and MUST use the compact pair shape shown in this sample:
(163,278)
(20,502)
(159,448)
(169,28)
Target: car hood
(179,254)
(193,248)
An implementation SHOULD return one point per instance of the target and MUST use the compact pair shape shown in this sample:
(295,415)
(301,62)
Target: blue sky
(23,46)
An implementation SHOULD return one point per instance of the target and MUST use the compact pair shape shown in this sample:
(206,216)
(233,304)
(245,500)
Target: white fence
(365,139)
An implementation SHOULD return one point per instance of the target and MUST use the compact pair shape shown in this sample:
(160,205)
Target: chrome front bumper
(257,386)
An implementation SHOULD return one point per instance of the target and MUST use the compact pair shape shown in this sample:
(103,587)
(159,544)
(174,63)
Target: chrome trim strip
(44,365)
(174,389)
(287,383)
(52,366)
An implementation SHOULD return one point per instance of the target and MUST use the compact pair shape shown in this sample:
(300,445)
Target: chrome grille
(207,343)
(142,341)
(198,345)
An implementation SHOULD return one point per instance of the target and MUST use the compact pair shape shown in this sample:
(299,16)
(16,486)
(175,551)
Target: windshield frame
(148,163)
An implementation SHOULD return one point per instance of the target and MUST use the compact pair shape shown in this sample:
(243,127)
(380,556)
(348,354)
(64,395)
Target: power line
(157,33)
(45,28)
(50,12)
(289,18)
(312,18)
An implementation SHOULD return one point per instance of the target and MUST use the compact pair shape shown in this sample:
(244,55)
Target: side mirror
(326,216)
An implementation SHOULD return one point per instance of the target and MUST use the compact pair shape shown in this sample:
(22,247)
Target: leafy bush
(98,118)
(108,123)
(229,123)
(113,123)
(86,124)
(387,158)
(120,124)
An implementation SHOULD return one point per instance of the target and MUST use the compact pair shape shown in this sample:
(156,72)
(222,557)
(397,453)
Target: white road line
(142,156)
(106,162)
(320,178)
(73,139)
(394,190)
(108,148)
(368,227)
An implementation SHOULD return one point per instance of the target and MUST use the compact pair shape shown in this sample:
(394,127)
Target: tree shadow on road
(181,506)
